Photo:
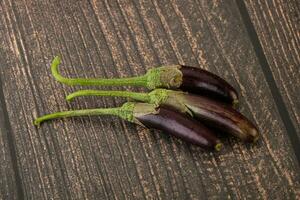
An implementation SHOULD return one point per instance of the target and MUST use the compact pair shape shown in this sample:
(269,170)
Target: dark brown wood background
(255,46)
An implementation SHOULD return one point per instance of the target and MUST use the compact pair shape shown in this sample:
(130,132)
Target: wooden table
(255,46)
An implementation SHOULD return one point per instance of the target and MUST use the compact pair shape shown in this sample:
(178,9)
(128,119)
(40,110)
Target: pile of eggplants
(187,102)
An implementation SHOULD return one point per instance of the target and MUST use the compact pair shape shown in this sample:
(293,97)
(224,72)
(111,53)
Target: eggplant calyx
(169,98)
(158,96)
(235,100)
(166,76)
(176,99)
(126,111)
(141,109)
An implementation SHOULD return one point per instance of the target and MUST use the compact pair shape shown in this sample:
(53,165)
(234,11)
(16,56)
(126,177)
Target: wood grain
(107,158)
(277,24)
(9,189)
(8,186)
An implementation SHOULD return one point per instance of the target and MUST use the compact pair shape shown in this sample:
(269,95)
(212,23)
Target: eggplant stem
(132,81)
(143,97)
(125,112)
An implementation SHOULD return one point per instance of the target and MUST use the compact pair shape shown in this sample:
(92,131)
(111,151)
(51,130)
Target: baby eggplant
(217,115)
(162,118)
(190,79)
(212,113)
(205,83)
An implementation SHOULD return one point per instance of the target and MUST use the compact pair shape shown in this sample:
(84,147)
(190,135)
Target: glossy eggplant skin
(174,123)
(221,117)
(199,81)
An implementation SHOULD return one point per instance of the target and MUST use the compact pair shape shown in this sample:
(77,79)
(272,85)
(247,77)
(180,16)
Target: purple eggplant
(199,81)
(190,79)
(219,116)
(181,126)
(168,120)
(212,113)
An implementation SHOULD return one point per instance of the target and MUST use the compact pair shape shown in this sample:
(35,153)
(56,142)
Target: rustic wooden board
(104,157)
(8,186)
(277,25)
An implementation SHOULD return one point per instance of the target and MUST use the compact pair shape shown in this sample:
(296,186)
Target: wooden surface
(282,50)
(8,186)
(255,47)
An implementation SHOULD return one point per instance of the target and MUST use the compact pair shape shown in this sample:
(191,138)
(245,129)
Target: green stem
(132,81)
(143,97)
(125,112)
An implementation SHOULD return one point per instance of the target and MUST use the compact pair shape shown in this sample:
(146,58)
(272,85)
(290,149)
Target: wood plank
(235,59)
(8,186)
(94,158)
(277,25)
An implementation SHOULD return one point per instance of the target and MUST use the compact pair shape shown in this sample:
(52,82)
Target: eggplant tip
(233,94)
(235,104)
(255,138)
(218,146)
(254,135)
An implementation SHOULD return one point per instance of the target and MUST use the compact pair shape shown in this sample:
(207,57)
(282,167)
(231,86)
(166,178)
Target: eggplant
(212,113)
(190,79)
(219,116)
(168,120)
(181,126)
(205,83)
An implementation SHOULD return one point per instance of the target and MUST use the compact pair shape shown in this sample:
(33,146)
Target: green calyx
(142,109)
(177,100)
(158,96)
(164,77)
(126,111)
